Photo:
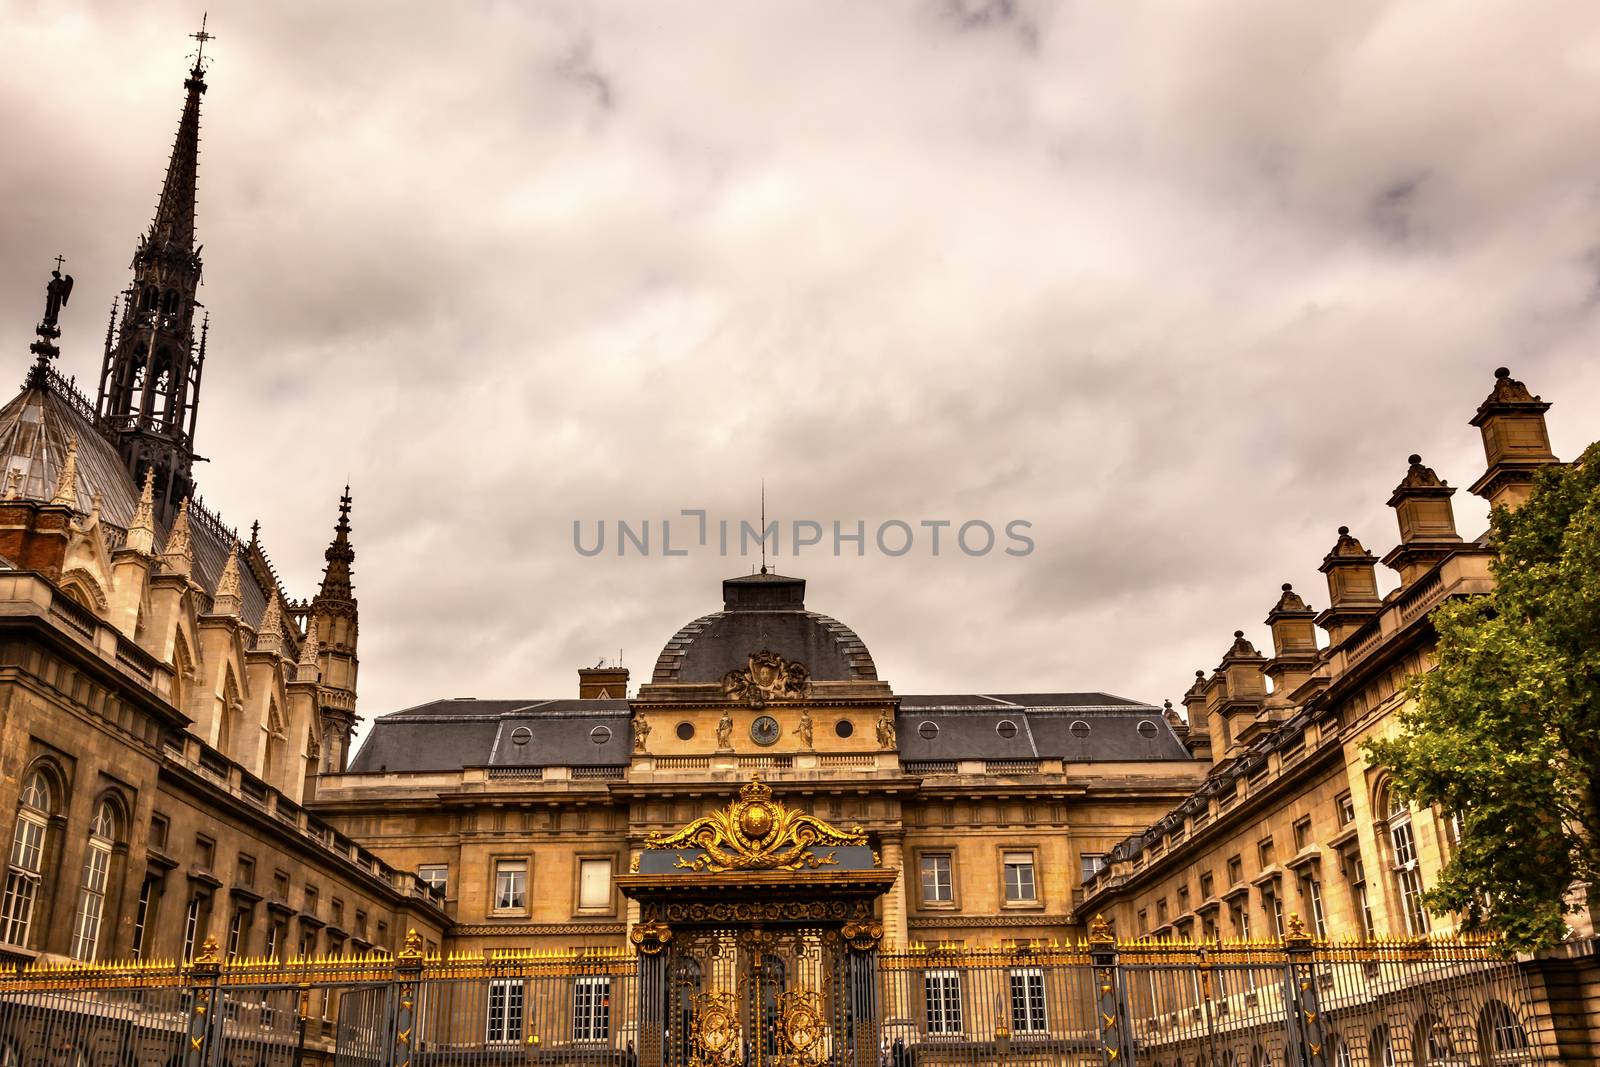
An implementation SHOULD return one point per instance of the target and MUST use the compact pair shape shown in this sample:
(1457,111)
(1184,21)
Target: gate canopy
(758,860)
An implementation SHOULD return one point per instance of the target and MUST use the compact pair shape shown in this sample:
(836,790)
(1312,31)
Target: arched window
(1339,1052)
(1500,1036)
(1407,871)
(1431,1041)
(103,833)
(27,858)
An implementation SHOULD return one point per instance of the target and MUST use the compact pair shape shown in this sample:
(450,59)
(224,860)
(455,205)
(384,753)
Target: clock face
(764,731)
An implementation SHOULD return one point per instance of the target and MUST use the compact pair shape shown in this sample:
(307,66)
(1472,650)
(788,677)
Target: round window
(844,727)
(1080,730)
(928,730)
(1006,728)
(685,731)
(600,734)
(521,735)
(1148,730)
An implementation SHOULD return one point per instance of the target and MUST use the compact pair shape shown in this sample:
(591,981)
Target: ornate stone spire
(142,530)
(269,636)
(179,555)
(66,494)
(336,575)
(225,601)
(307,670)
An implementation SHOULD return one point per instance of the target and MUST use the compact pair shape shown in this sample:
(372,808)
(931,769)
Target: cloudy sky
(1180,284)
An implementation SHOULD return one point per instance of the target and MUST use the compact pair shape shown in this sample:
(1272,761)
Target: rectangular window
(591,1009)
(247,872)
(1144,922)
(274,939)
(91,899)
(1311,887)
(594,884)
(191,928)
(280,885)
(435,875)
(1408,875)
(143,916)
(205,851)
(937,888)
(1346,808)
(1091,863)
(505,1012)
(1183,899)
(1161,911)
(22,878)
(1027,1002)
(511,885)
(1266,852)
(310,907)
(158,831)
(1207,886)
(238,928)
(1272,904)
(1019,878)
(1302,834)
(1235,870)
(942,989)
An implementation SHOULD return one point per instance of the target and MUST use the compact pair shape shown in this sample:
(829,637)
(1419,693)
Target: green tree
(1504,731)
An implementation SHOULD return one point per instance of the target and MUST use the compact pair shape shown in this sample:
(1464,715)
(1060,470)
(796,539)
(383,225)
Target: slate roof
(763,611)
(447,735)
(34,429)
(1075,727)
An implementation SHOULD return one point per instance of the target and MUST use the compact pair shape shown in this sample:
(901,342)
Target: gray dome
(764,611)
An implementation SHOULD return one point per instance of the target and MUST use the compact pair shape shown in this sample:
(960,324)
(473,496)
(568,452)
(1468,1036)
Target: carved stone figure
(641,733)
(886,738)
(803,729)
(725,731)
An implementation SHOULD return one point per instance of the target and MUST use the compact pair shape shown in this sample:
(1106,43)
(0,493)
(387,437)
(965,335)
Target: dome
(764,611)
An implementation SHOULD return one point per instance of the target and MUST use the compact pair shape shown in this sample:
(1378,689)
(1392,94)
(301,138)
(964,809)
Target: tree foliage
(1504,732)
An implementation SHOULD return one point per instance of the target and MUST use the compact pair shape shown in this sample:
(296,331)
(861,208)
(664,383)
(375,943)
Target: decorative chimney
(1427,523)
(1516,442)
(602,683)
(1235,694)
(1294,645)
(1352,587)
(1194,708)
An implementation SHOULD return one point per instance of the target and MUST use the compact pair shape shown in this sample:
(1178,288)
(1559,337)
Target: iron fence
(1295,1003)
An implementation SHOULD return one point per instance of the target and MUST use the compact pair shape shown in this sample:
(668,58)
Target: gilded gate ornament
(802,1028)
(756,832)
(715,1032)
(767,676)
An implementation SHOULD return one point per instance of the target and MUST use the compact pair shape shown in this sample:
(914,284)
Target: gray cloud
(1180,283)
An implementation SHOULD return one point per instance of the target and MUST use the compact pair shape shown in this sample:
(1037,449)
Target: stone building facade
(1292,818)
(175,729)
(165,706)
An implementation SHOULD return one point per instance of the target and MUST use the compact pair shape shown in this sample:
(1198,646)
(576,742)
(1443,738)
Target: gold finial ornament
(756,832)
(411,949)
(1296,934)
(208,953)
(1100,931)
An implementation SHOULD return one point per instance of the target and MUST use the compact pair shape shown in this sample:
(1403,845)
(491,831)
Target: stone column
(894,901)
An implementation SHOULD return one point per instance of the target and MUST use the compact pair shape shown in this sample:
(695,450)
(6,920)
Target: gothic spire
(173,227)
(336,575)
(149,396)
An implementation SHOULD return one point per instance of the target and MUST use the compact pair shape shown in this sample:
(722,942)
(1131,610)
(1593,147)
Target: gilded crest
(802,1027)
(756,832)
(767,676)
(715,1032)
